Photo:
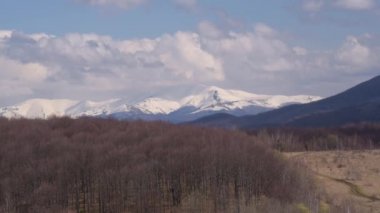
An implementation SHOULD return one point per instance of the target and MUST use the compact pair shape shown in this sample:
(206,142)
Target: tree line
(99,165)
(365,136)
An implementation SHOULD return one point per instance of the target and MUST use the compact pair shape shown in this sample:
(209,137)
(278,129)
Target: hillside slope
(358,104)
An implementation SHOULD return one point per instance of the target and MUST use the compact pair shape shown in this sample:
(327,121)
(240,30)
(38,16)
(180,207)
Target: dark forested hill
(358,104)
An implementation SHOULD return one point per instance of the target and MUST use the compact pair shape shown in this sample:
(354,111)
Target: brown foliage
(94,165)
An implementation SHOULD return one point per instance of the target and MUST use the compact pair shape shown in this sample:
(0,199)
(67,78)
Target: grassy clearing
(355,189)
(346,176)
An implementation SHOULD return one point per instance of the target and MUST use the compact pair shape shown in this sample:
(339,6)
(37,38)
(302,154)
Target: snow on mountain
(38,108)
(280,100)
(209,100)
(148,106)
(92,108)
(216,99)
(157,106)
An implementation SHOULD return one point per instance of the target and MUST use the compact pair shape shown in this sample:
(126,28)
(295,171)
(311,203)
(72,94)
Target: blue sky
(158,17)
(72,48)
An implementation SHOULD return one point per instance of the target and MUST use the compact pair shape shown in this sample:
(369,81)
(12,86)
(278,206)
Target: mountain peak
(156,105)
(360,103)
(210,100)
(213,89)
(216,97)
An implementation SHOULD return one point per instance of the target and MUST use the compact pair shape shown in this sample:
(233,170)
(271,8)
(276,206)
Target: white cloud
(300,51)
(127,4)
(85,66)
(100,63)
(208,29)
(17,78)
(27,72)
(264,30)
(183,54)
(5,34)
(353,53)
(187,4)
(312,5)
(257,51)
(135,46)
(356,4)
(124,4)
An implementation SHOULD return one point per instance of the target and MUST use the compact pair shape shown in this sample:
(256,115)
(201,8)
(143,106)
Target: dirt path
(346,176)
(355,189)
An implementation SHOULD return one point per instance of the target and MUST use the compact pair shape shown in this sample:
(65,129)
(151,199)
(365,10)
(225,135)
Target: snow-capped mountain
(236,102)
(216,99)
(208,101)
(38,108)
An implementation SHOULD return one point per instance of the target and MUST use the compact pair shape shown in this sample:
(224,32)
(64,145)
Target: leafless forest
(365,136)
(97,165)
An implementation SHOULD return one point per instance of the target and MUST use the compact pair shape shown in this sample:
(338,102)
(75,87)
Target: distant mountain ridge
(209,101)
(358,104)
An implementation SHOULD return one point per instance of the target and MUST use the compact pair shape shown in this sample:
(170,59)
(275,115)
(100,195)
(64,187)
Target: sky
(103,49)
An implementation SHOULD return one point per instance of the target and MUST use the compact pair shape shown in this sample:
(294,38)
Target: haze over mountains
(358,104)
(209,101)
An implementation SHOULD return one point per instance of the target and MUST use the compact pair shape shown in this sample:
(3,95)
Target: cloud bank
(91,66)
(128,4)
(124,4)
(317,5)
(356,4)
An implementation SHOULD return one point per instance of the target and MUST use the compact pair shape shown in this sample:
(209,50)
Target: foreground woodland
(100,165)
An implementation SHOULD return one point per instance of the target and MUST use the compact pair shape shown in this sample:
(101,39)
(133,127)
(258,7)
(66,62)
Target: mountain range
(208,101)
(358,104)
